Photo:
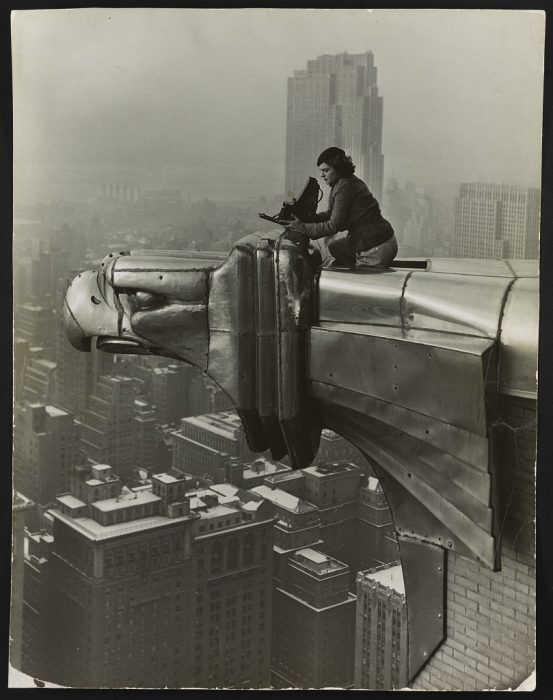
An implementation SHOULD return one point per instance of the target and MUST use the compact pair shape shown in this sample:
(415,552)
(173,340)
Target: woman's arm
(339,213)
(318,217)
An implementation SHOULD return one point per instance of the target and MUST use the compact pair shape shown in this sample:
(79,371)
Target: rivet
(450,544)
(425,653)
(440,615)
(439,568)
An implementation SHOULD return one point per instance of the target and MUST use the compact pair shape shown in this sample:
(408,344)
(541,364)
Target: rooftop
(374,485)
(283,499)
(217,511)
(324,469)
(97,532)
(318,561)
(70,501)
(389,577)
(166,478)
(224,423)
(127,500)
(55,411)
(21,502)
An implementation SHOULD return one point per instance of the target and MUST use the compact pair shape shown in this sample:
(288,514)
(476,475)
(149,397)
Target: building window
(216,563)
(232,553)
(249,549)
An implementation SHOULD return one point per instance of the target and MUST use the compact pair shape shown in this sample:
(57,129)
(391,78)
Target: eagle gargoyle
(407,363)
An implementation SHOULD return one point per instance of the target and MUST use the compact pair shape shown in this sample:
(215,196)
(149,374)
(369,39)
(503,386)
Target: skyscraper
(334,102)
(45,449)
(381,629)
(496,221)
(107,425)
(313,624)
(157,586)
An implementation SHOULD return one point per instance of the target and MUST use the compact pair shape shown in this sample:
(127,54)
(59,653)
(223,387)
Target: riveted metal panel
(363,297)
(524,268)
(455,303)
(294,287)
(179,279)
(425,580)
(454,515)
(519,340)
(265,316)
(179,329)
(232,341)
(465,446)
(471,266)
(412,519)
(447,384)
(203,257)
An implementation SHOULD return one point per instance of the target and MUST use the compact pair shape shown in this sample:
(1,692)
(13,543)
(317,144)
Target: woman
(370,238)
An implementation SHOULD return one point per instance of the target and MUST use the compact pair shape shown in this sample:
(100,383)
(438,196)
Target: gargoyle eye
(145,300)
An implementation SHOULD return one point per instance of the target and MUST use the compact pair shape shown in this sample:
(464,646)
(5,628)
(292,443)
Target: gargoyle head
(220,315)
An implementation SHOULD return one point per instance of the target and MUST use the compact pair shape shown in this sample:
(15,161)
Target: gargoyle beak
(89,310)
(122,347)
(75,334)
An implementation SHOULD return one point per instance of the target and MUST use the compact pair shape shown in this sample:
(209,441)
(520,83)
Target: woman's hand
(295,230)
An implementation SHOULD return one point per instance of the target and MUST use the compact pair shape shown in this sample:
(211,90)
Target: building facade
(496,221)
(381,653)
(156,586)
(107,428)
(313,624)
(45,449)
(334,102)
(204,444)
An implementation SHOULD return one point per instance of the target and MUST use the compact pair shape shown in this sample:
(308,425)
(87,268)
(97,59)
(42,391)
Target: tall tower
(334,102)
(381,629)
(496,221)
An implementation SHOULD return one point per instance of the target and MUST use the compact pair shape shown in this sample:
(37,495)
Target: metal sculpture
(407,363)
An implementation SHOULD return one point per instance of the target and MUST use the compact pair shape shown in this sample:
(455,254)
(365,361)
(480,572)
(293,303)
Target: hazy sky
(156,91)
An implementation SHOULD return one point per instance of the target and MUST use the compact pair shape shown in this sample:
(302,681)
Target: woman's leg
(380,255)
(342,252)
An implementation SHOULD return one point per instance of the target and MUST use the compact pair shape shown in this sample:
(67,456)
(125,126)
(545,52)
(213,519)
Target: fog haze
(197,98)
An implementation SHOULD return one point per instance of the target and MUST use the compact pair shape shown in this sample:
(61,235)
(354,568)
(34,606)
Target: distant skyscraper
(39,380)
(77,373)
(381,629)
(145,436)
(35,324)
(375,537)
(20,505)
(334,102)
(107,425)
(45,450)
(496,221)
(204,444)
(313,624)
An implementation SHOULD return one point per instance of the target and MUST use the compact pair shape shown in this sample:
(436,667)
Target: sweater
(354,209)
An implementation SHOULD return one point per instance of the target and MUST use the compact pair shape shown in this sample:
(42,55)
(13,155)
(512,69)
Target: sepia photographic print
(275,327)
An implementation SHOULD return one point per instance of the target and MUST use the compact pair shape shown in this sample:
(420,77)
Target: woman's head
(334,164)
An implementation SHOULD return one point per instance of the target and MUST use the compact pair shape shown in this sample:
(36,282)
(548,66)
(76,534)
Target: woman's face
(328,174)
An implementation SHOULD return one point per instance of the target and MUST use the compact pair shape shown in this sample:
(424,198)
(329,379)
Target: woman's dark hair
(343,165)
(338,159)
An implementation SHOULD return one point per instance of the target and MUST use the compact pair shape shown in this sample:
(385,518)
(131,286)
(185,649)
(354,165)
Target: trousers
(344,253)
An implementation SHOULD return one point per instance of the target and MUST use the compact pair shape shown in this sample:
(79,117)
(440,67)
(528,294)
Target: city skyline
(108,103)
